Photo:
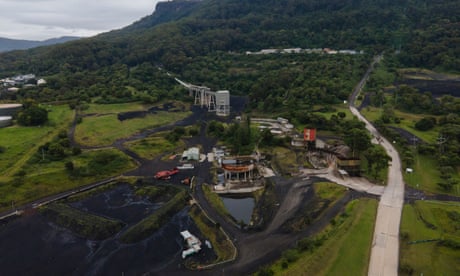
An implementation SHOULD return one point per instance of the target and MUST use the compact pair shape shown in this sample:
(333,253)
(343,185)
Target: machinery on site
(165,175)
(186,181)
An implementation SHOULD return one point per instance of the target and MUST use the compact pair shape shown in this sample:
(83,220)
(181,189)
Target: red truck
(164,175)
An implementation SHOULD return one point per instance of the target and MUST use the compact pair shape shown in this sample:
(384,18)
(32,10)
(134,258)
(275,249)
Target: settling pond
(240,208)
(32,245)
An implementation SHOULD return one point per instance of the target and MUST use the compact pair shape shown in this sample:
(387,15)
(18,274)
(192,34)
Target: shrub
(425,123)
(406,269)
(76,151)
(306,244)
(69,166)
(33,116)
(265,271)
(291,255)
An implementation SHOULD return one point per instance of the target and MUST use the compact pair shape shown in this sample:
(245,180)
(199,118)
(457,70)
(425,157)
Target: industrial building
(239,175)
(191,154)
(193,243)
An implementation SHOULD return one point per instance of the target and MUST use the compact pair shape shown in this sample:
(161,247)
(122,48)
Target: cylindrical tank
(6,121)
(9,109)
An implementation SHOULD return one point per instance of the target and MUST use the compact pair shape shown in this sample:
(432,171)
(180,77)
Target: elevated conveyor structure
(218,102)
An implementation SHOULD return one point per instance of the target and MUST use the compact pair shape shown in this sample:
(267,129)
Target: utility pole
(440,141)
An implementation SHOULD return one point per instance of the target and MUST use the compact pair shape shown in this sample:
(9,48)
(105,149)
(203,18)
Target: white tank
(6,121)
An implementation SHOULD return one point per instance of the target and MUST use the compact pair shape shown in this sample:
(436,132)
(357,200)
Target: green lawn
(106,129)
(44,179)
(115,108)
(22,142)
(284,160)
(427,220)
(408,121)
(346,245)
(151,147)
(353,254)
(425,175)
(329,191)
(215,200)
(221,245)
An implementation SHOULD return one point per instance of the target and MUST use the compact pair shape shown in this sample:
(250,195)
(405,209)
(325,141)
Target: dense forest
(182,34)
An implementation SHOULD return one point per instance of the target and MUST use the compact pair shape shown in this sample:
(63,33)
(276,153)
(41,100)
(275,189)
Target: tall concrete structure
(218,102)
(223,103)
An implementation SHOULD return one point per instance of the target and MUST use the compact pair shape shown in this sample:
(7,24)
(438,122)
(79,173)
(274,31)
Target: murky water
(240,208)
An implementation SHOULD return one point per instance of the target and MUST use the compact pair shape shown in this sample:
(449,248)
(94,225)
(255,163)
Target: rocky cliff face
(166,12)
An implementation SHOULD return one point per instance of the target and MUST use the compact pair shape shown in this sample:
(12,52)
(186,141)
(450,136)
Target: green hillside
(179,32)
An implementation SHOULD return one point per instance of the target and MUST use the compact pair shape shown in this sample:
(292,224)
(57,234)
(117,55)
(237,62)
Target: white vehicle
(186,166)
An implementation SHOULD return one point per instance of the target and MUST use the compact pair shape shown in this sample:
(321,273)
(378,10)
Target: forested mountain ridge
(7,44)
(425,32)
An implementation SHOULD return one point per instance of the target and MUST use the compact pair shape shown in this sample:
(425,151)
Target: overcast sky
(43,19)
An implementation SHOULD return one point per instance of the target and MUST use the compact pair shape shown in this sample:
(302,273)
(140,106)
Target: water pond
(240,208)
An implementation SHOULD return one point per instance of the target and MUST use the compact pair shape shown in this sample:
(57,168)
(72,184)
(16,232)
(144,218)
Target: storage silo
(9,109)
(223,103)
(6,121)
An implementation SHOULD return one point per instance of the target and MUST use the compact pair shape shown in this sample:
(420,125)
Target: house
(292,51)
(41,82)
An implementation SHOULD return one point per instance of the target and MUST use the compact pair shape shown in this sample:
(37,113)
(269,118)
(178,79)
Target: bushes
(33,116)
(450,244)
(425,123)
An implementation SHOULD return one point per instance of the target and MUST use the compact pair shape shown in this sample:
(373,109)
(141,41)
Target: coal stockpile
(141,114)
(131,115)
(437,88)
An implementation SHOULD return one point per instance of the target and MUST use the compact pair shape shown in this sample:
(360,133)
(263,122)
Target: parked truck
(164,175)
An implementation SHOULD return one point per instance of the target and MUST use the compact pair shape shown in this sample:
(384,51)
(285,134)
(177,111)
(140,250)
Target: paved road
(359,184)
(385,245)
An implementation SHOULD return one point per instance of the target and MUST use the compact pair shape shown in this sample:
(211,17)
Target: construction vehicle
(186,181)
(165,175)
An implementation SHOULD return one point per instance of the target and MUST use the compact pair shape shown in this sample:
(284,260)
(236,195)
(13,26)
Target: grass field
(22,142)
(343,248)
(425,175)
(115,108)
(105,129)
(153,146)
(426,220)
(50,178)
(215,200)
(329,191)
(408,121)
(284,160)
(221,245)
